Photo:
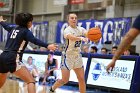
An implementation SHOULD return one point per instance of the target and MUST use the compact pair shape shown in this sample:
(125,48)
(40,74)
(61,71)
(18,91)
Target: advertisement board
(40,59)
(119,78)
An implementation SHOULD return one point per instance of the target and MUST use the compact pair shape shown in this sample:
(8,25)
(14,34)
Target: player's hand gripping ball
(94,34)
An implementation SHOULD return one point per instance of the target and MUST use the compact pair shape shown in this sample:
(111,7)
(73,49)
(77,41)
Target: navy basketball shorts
(9,62)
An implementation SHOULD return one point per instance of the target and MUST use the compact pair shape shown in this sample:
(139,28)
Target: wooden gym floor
(17,86)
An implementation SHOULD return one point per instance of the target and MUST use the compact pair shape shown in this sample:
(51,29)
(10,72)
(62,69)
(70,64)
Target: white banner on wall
(120,77)
(94,1)
(60,2)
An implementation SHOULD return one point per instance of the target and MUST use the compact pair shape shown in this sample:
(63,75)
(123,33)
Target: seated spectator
(34,48)
(104,50)
(51,66)
(42,49)
(126,52)
(98,46)
(60,48)
(114,49)
(32,68)
(93,49)
(85,49)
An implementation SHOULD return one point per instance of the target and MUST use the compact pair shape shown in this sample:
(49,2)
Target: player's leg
(35,73)
(25,75)
(3,70)
(3,77)
(64,80)
(80,75)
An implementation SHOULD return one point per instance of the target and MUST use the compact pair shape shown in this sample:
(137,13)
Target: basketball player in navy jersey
(11,58)
(125,43)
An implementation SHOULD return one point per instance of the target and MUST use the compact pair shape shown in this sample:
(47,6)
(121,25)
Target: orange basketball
(94,34)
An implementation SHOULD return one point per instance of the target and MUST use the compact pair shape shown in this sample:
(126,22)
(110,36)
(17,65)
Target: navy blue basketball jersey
(51,65)
(18,38)
(136,23)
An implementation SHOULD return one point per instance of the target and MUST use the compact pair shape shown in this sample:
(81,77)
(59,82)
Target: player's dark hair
(30,57)
(94,48)
(22,19)
(114,47)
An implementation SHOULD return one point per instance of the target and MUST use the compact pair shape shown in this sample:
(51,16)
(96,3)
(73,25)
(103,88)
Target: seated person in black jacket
(51,66)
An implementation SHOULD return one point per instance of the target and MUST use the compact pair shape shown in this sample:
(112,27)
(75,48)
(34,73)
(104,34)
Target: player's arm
(5,25)
(68,35)
(35,68)
(30,37)
(73,38)
(128,38)
(125,43)
(56,64)
(46,66)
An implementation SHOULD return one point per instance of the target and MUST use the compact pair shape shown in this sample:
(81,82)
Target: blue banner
(40,30)
(113,29)
(3,34)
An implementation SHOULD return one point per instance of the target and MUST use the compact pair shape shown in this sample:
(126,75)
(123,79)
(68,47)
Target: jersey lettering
(77,43)
(14,34)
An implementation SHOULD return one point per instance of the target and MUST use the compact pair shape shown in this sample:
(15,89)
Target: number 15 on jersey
(14,34)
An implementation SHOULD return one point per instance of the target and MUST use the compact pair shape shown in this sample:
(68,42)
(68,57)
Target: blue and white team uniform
(71,57)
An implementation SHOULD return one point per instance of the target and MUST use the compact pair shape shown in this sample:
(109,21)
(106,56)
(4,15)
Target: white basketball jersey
(73,47)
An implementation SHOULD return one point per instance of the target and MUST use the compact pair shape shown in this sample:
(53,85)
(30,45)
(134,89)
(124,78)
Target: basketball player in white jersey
(71,57)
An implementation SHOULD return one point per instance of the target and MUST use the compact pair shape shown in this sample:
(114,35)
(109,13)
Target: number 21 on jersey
(14,34)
